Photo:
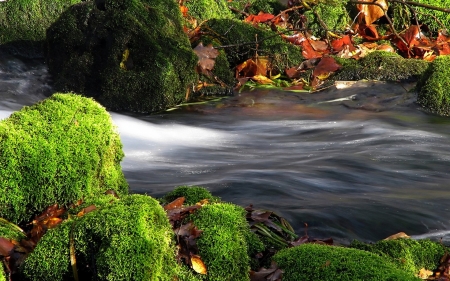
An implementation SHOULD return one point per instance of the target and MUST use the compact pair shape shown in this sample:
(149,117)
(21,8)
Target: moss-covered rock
(226,243)
(238,37)
(125,239)
(434,20)
(408,254)
(381,65)
(321,262)
(434,87)
(192,194)
(25,21)
(60,150)
(129,54)
(327,16)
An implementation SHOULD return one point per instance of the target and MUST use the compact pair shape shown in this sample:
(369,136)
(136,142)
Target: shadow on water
(363,162)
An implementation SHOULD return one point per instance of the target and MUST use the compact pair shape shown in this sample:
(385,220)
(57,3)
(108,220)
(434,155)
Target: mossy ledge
(60,150)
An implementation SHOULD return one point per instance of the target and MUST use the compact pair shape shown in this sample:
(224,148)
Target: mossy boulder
(23,23)
(381,65)
(60,150)
(408,254)
(124,239)
(331,13)
(226,243)
(322,262)
(192,195)
(434,87)
(129,54)
(238,37)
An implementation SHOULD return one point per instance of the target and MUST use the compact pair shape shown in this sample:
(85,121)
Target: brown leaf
(86,210)
(6,247)
(370,12)
(198,265)
(246,69)
(397,236)
(326,66)
(340,43)
(206,56)
(260,18)
(274,273)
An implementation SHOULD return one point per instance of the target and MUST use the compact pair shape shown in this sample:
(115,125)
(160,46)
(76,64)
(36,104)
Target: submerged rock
(57,151)
(434,87)
(130,55)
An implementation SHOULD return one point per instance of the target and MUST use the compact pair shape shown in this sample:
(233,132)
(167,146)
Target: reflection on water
(346,172)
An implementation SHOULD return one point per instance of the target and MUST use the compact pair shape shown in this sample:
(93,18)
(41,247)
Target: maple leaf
(372,12)
(206,56)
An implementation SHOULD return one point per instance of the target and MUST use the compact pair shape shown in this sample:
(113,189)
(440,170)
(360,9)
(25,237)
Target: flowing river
(358,163)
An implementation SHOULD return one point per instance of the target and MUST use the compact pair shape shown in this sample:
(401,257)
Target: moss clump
(381,65)
(433,87)
(2,274)
(193,194)
(319,262)
(130,55)
(408,254)
(435,20)
(332,13)
(27,20)
(238,36)
(226,241)
(128,239)
(10,231)
(57,151)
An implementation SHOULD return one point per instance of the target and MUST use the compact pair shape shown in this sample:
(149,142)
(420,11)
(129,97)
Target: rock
(434,87)
(23,23)
(60,150)
(129,54)
(321,262)
(123,239)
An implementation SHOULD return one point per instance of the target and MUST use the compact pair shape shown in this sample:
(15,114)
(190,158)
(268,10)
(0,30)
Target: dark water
(366,165)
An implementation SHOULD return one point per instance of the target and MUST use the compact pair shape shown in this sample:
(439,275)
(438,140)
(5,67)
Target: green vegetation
(381,65)
(126,239)
(433,87)
(226,241)
(407,254)
(27,20)
(434,20)
(333,14)
(57,151)
(193,194)
(130,55)
(2,274)
(319,262)
(10,231)
(239,36)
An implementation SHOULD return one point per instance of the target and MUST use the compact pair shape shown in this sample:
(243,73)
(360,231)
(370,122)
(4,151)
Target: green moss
(57,151)
(193,194)
(381,65)
(87,46)
(2,274)
(409,255)
(224,244)
(29,19)
(128,239)
(10,231)
(433,87)
(435,20)
(334,15)
(320,262)
(238,37)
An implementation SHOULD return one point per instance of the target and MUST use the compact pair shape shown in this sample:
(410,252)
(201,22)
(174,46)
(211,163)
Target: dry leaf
(198,265)
(397,236)
(424,273)
(372,12)
(175,204)
(206,56)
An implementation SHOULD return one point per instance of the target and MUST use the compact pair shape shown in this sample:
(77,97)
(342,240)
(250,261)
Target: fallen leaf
(397,236)
(177,203)
(246,69)
(325,67)
(371,12)
(260,18)
(198,265)
(424,273)
(86,210)
(206,56)
(6,247)
(261,79)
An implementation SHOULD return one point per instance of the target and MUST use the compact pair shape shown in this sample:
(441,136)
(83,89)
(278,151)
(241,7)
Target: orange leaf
(339,44)
(246,69)
(53,222)
(261,79)
(184,10)
(262,65)
(198,265)
(308,51)
(260,18)
(372,12)
(177,203)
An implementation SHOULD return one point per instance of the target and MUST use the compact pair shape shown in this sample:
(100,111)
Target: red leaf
(308,51)
(175,204)
(326,66)
(340,43)
(260,18)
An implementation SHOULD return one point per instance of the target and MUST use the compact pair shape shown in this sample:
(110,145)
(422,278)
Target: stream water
(357,163)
